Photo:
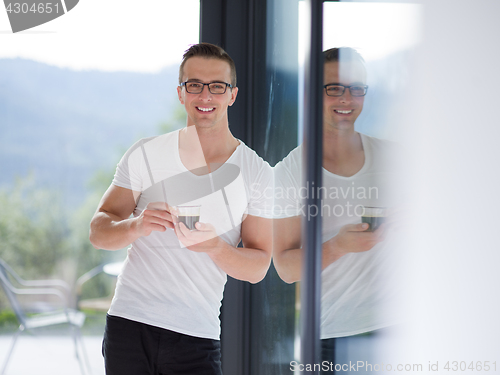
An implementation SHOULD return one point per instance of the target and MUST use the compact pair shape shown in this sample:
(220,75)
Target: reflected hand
(353,238)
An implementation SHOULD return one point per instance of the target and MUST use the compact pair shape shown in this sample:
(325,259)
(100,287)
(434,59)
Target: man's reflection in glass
(358,278)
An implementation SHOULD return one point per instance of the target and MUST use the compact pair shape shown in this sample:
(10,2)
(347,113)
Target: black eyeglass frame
(208,85)
(343,91)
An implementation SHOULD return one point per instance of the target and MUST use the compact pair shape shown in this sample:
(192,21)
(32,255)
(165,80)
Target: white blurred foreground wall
(454,246)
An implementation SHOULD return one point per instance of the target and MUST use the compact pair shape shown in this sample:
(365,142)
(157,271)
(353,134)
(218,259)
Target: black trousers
(133,348)
(328,356)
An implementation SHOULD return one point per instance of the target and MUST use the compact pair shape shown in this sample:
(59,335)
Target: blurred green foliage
(8,320)
(41,238)
(177,120)
(33,228)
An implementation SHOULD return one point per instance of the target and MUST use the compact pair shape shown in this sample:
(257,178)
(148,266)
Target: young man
(164,316)
(357,172)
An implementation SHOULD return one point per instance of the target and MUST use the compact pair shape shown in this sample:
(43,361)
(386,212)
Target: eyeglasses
(338,90)
(216,88)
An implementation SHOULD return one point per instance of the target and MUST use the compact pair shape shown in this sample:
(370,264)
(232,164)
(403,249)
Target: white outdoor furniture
(15,286)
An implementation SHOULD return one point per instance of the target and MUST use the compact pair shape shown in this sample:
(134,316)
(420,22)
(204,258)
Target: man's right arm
(112,228)
(287,246)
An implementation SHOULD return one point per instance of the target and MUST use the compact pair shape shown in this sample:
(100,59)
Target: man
(164,316)
(357,172)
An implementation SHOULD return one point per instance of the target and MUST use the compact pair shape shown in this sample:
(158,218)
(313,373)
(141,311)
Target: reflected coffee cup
(189,215)
(374,217)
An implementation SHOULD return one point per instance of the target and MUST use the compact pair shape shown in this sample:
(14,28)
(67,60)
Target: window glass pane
(386,35)
(363,160)
(278,109)
(76,93)
(358,290)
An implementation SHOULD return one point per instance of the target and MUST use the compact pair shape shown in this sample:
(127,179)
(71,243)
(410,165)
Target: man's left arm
(247,263)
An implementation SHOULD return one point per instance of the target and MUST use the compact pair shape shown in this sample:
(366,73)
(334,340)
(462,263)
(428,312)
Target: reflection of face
(206,110)
(340,112)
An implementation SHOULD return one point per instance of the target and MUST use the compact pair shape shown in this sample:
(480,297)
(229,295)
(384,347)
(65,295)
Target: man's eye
(217,86)
(194,85)
(334,88)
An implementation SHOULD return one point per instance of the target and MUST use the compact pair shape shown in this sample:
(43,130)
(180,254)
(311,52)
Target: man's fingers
(183,231)
(169,224)
(356,227)
(158,228)
(157,220)
(200,227)
(204,227)
(160,219)
(202,233)
(159,215)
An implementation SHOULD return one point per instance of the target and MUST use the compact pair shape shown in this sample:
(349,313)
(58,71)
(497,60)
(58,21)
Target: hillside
(63,125)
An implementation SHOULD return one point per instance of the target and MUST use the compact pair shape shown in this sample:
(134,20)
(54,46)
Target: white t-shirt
(162,283)
(357,289)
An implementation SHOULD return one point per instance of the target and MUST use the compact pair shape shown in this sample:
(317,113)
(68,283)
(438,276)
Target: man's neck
(343,152)
(201,147)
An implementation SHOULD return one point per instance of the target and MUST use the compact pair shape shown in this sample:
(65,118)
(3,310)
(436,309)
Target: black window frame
(239,28)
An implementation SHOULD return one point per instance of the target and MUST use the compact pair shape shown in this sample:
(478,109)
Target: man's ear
(179,94)
(234,93)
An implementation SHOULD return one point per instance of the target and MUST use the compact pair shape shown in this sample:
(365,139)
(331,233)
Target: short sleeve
(287,186)
(261,193)
(130,170)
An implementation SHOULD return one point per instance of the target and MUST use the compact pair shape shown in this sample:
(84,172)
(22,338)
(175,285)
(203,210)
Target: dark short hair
(343,54)
(208,51)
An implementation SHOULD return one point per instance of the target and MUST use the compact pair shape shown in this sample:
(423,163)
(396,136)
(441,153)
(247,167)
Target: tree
(33,230)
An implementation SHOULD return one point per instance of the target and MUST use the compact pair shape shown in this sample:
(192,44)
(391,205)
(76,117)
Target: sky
(120,35)
(110,35)
(116,35)
(373,29)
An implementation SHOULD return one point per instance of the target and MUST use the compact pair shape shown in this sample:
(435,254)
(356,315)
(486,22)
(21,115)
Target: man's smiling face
(206,110)
(340,112)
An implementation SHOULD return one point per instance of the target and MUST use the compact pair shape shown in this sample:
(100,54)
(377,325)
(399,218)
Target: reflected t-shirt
(357,290)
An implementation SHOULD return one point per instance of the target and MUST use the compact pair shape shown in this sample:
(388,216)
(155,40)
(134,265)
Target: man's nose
(346,96)
(205,92)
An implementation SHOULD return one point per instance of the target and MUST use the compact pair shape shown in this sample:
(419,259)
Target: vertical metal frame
(247,345)
(240,28)
(216,18)
(312,167)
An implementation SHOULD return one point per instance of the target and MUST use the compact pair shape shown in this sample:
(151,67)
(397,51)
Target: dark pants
(340,353)
(135,348)
(328,356)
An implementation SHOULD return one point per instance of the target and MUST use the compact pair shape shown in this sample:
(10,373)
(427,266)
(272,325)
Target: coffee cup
(189,215)
(374,217)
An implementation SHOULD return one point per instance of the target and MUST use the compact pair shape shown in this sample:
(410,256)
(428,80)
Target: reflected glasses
(338,90)
(216,88)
